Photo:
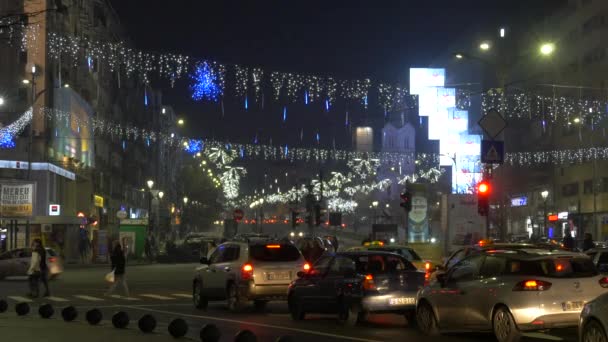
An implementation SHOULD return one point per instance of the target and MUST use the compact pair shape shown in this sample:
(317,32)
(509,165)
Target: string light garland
(207,82)
(8,133)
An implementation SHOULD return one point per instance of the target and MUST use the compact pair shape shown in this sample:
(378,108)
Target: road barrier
(46,311)
(22,309)
(178,328)
(69,313)
(94,316)
(120,320)
(147,323)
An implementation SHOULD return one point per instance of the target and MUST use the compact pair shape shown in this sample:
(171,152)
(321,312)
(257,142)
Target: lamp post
(375,206)
(160,197)
(150,184)
(544,194)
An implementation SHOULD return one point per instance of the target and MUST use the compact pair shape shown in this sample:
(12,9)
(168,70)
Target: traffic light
(318,218)
(406,201)
(294,218)
(483,198)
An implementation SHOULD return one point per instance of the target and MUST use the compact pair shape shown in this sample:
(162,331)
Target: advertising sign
(424,78)
(418,220)
(519,201)
(54,209)
(16,200)
(98,201)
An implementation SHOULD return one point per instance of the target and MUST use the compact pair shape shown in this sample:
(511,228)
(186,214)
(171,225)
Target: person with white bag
(117,276)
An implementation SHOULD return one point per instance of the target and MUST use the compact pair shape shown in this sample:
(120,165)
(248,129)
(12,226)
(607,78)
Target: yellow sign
(98,200)
(16,200)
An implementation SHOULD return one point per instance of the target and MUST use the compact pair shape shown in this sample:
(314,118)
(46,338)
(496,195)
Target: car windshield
(407,253)
(274,252)
(553,267)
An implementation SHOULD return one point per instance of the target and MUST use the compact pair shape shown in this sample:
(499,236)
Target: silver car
(594,320)
(16,263)
(249,270)
(508,292)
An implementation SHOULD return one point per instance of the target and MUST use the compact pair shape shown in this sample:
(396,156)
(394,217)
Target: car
(403,250)
(16,262)
(593,323)
(600,258)
(510,291)
(355,284)
(197,246)
(242,271)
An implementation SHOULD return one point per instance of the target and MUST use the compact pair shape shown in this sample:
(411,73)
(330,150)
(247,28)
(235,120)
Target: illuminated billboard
(421,78)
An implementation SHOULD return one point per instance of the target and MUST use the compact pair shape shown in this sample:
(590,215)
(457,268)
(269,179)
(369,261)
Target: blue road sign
(492,152)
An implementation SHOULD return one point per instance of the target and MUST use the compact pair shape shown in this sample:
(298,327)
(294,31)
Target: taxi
(403,250)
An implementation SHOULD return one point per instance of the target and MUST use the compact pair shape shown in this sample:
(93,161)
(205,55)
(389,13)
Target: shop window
(588,186)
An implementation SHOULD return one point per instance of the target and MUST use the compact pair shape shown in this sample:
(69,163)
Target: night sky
(344,39)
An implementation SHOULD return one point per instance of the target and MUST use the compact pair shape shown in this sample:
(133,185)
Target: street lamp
(485,46)
(459,56)
(185,200)
(1,101)
(547,49)
(544,194)
(180,122)
(150,184)
(161,195)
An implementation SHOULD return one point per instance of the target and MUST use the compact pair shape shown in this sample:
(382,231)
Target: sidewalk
(107,265)
(34,328)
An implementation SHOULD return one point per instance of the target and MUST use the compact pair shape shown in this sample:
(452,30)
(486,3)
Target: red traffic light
(483,188)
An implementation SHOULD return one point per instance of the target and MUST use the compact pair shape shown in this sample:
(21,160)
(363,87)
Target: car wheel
(200,301)
(351,314)
(234,301)
(260,305)
(593,332)
(295,308)
(504,326)
(426,320)
(410,316)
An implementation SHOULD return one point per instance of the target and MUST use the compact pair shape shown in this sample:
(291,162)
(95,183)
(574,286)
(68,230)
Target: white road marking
(182,295)
(123,297)
(542,336)
(156,296)
(89,298)
(271,326)
(20,299)
(57,299)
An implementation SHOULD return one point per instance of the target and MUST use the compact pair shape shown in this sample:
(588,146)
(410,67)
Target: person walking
(568,241)
(33,272)
(588,242)
(118,266)
(44,268)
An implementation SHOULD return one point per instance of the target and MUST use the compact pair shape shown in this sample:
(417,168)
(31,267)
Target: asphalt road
(164,291)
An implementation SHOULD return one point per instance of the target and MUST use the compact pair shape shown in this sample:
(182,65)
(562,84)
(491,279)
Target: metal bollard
(3,306)
(120,320)
(210,333)
(147,323)
(69,314)
(245,336)
(94,316)
(178,328)
(22,309)
(46,311)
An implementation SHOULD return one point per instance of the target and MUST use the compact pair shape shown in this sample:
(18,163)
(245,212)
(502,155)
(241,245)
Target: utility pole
(29,151)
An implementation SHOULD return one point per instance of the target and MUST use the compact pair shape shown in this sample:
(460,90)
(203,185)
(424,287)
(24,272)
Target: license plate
(572,306)
(278,276)
(402,301)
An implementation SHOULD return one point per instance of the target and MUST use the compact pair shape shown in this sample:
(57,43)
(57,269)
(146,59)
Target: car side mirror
(204,261)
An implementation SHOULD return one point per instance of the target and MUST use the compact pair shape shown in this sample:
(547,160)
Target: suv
(243,271)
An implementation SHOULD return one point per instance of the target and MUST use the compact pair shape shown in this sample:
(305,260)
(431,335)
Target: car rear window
(50,252)
(274,252)
(409,254)
(553,267)
(378,264)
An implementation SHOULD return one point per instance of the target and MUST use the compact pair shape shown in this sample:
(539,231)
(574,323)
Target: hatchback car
(243,271)
(508,292)
(353,284)
(16,262)
(405,251)
(594,320)
(599,256)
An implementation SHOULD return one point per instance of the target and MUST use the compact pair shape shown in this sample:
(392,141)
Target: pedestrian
(568,241)
(44,268)
(34,270)
(588,242)
(118,266)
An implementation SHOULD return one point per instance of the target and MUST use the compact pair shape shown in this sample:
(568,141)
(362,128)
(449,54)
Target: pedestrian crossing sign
(492,152)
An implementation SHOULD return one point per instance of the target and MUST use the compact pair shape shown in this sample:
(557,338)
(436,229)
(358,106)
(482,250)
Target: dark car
(354,284)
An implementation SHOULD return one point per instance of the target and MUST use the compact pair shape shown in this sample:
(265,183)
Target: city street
(164,291)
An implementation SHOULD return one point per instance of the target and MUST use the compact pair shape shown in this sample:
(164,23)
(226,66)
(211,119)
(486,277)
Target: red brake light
(273,246)
(52,259)
(306,267)
(247,272)
(427,266)
(532,285)
(604,282)
(368,283)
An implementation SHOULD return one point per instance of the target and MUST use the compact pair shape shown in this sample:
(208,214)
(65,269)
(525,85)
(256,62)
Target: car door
(331,285)
(480,294)
(228,268)
(211,279)
(309,288)
(459,284)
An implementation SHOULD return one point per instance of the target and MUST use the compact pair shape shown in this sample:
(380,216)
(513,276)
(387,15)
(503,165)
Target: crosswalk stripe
(182,295)
(156,296)
(123,297)
(89,298)
(20,299)
(57,299)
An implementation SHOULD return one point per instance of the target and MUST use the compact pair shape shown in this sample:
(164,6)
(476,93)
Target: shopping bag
(110,277)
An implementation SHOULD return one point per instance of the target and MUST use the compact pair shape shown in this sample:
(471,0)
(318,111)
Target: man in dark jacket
(118,266)
(588,242)
(568,241)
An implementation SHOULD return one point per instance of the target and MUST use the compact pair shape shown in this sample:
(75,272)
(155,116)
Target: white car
(594,320)
(16,262)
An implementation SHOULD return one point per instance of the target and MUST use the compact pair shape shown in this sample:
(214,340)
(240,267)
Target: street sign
(238,215)
(121,215)
(54,209)
(492,123)
(492,152)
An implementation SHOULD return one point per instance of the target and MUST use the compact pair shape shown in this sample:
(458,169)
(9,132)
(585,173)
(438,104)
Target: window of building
(588,186)
(570,189)
(604,184)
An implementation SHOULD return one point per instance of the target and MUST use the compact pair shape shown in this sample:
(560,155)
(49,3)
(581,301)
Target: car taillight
(427,278)
(532,285)
(247,272)
(427,266)
(306,267)
(52,259)
(604,282)
(368,283)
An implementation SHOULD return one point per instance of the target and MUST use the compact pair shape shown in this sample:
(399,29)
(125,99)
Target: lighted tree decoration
(207,83)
